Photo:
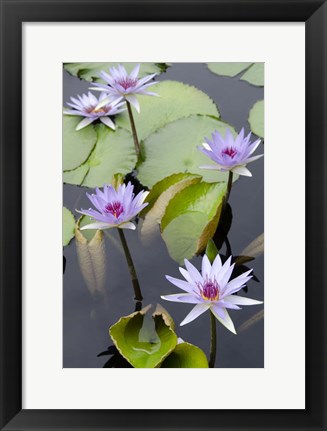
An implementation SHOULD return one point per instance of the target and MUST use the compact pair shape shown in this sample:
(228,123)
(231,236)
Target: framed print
(163,207)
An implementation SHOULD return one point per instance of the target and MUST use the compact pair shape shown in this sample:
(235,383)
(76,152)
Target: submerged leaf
(176,100)
(255,248)
(90,71)
(68,226)
(143,338)
(256,118)
(186,355)
(250,322)
(91,256)
(174,149)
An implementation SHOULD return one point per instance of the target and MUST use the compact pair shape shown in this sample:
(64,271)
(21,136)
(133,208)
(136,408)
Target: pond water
(86,319)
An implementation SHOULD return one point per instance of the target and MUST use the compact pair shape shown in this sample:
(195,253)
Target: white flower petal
(212,167)
(184,285)
(127,225)
(108,122)
(216,267)
(254,146)
(133,101)
(242,170)
(195,312)
(103,102)
(98,225)
(206,266)
(85,122)
(224,269)
(227,321)
(240,300)
(186,275)
(206,146)
(194,273)
(252,159)
(188,298)
(237,283)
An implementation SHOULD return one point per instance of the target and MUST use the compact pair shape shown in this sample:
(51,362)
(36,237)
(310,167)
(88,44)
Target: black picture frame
(13,14)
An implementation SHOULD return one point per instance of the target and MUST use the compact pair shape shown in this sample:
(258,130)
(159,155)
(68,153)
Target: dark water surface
(87,319)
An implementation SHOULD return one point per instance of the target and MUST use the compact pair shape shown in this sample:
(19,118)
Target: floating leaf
(228,69)
(211,250)
(253,72)
(191,219)
(68,226)
(255,248)
(159,198)
(90,71)
(91,256)
(77,146)
(186,355)
(113,153)
(250,322)
(176,100)
(144,339)
(256,118)
(173,149)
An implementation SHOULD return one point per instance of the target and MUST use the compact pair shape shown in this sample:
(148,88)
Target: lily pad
(191,219)
(176,100)
(77,146)
(144,339)
(160,196)
(90,71)
(186,355)
(174,149)
(228,69)
(113,153)
(256,118)
(91,255)
(253,72)
(68,226)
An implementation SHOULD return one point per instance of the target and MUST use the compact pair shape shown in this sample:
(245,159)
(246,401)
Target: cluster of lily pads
(185,158)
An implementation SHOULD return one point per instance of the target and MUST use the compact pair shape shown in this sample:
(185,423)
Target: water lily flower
(87,106)
(211,290)
(121,85)
(114,208)
(230,154)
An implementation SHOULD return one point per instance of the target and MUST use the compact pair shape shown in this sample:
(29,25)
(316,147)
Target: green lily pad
(228,69)
(191,219)
(159,197)
(186,355)
(144,339)
(211,250)
(253,72)
(68,226)
(114,153)
(176,100)
(174,148)
(256,118)
(90,71)
(91,255)
(77,146)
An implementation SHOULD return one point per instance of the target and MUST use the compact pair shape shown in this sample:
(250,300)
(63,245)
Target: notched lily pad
(176,100)
(174,148)
(143,338)
(251,72)
(256,118)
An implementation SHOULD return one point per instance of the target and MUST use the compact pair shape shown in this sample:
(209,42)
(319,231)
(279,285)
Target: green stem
(131,119)
(131,267)
(213,341)
(229,186)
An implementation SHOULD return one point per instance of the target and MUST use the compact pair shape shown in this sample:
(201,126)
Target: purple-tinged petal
(252,159)
(183,297)
(206,267)
(184,285)
(226,321)
(84,123)
(108,122)
(133,101)
(195,312)
(242,170)
(240,300)
(97,225)
(194,273)
(127,225)
(216,267)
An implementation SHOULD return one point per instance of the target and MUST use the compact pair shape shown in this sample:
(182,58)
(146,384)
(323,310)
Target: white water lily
(211,290)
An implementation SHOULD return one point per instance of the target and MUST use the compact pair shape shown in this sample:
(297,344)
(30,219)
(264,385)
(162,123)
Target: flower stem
(131,267)
(213,341)
(131,119)
(229,186)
